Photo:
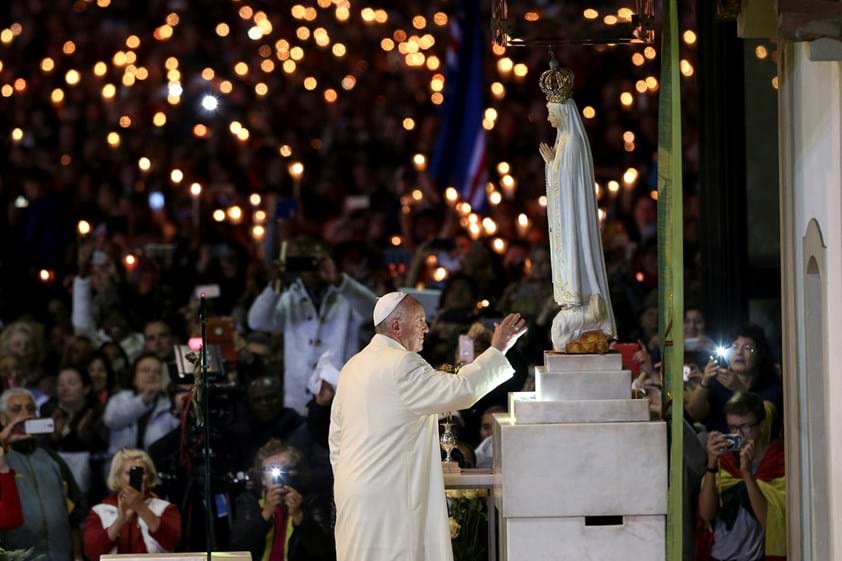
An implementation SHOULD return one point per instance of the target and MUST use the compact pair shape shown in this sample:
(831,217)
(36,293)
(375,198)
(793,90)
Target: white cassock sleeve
(425,390)
(334,433)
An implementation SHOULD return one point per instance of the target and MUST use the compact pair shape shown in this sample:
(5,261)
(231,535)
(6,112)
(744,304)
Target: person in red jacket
(11,513)
(132,521)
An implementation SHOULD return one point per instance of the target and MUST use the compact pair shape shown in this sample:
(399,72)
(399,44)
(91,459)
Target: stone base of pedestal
(580,473)
(632,538)
(553,385)
(576,469)
(564,362)
(525,409)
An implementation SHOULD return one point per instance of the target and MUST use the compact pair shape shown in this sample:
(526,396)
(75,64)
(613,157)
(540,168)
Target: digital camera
(282,475)
(735,442)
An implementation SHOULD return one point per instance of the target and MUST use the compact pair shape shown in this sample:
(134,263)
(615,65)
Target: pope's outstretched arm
(425,390)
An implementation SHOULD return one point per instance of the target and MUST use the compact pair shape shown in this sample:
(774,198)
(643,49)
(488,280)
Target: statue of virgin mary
(580,285)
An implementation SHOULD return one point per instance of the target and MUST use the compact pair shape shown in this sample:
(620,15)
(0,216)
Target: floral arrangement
(467,517)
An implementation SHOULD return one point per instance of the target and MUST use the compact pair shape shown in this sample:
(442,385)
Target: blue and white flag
(459,159)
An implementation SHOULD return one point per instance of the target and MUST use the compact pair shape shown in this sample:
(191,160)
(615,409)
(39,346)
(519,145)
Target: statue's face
(553,115)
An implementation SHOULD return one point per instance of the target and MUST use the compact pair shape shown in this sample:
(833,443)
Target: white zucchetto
(386,304)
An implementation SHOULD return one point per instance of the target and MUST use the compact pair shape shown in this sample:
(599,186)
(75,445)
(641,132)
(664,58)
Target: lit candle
(296,170)
(195,192)
(522,224)
(84,228)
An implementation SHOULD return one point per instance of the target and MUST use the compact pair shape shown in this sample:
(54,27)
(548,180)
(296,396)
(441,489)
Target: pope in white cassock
(384,439)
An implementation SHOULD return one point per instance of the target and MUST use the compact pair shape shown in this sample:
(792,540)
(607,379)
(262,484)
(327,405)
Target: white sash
(108,514)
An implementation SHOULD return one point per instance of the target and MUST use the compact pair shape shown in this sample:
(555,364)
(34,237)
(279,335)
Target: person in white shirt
(321,310)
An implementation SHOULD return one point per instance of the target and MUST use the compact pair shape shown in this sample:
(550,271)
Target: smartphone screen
(466,349)
(38,426)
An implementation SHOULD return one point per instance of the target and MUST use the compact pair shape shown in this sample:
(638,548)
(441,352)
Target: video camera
(223,397)
(188,361)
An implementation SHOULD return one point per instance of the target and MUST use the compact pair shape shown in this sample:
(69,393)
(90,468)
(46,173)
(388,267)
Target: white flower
(454,528)
(454,493)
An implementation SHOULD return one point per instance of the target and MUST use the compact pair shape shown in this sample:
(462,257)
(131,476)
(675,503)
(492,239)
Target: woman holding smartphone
(749,368)
(133,519)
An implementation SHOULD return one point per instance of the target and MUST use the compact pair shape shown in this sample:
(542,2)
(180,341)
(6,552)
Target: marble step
(637,538)
(563,362)
(579,469)
(551,385)
(526,409)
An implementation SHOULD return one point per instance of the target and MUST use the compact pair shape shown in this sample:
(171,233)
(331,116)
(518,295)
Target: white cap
(386,304)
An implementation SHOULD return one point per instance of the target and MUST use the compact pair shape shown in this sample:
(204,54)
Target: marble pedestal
(579,470)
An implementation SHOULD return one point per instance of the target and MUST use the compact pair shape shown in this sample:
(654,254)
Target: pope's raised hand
(546,152)
(507,332)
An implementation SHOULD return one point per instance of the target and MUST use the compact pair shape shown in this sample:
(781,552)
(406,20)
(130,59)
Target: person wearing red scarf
(742,502)
(132,520)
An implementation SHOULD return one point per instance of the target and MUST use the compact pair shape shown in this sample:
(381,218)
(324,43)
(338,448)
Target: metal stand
(209,532)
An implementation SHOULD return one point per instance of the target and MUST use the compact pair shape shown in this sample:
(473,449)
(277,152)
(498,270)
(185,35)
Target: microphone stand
(206,453)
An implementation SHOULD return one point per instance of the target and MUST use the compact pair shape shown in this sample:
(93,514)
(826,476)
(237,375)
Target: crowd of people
(91,316)
(118,399)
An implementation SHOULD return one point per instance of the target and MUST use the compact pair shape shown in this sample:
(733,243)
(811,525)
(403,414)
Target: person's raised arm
(125,408)
(362,299)
(263,314)
(80,312)
(425,390)
(698,405)
(709,495)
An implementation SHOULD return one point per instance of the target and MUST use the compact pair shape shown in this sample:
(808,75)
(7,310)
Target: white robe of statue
(384,449)
(580,284)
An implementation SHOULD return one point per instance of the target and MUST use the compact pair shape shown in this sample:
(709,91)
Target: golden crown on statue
(556,83)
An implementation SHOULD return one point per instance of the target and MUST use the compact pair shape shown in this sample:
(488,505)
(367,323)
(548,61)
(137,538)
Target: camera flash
(721,351)
(276,472)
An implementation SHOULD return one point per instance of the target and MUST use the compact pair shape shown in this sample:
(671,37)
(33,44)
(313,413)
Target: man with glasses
(743,498)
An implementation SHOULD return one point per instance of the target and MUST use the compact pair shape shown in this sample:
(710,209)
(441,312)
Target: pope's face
(413,328)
